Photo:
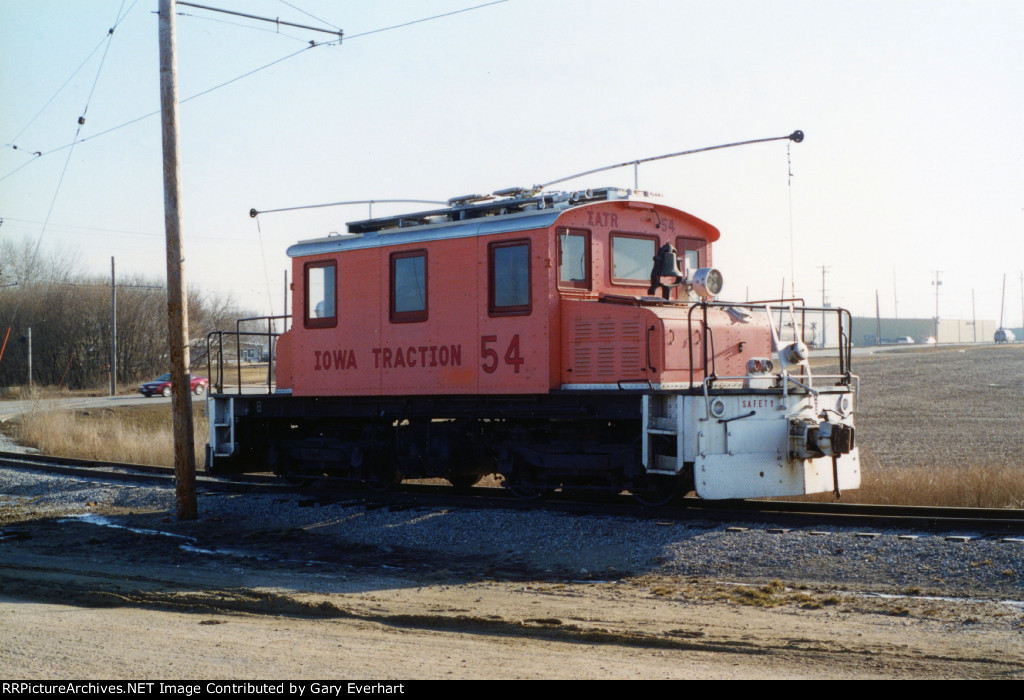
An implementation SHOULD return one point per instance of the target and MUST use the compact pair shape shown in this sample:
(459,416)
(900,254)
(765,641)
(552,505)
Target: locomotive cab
(564,341)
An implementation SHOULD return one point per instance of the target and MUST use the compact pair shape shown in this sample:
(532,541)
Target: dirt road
(227,599)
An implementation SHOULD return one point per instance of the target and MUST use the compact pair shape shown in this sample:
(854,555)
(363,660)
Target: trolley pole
(177,306)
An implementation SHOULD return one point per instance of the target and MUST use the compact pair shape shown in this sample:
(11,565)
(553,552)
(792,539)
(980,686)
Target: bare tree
(69,313)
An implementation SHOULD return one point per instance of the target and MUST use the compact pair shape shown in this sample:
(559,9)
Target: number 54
(489,355)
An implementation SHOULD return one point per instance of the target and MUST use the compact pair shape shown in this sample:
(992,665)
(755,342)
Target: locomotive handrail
(807,387)
(270,334)
(650,365)
(220,360)
(844,347)
(847,379)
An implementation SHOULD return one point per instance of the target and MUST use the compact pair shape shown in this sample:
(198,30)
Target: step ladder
(663,434)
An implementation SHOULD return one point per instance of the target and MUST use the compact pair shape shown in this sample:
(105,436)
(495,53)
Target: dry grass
(140,435)
(252,374)
(977,485)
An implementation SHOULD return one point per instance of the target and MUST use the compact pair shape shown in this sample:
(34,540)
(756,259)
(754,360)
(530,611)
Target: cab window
(409,286)
(574,258)
(693,251)
(320,288)
(632,258)
(509,288)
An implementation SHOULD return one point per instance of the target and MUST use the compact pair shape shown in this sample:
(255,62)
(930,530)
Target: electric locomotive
(568,341)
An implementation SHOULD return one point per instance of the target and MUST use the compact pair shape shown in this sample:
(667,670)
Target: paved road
(9,409)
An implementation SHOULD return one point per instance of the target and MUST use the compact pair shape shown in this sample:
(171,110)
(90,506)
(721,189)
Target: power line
(67,161)
(102,41)
(277,21)
(115,232)
(54,96)
(427,19)
(156,112)
(312,45)
(243,26)
(298,9)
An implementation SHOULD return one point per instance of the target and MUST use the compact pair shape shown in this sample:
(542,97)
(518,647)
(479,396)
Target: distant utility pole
(28,339)
(824,304)
(895,299)
(974,317)
(937,283)
(177,305)
(878,320)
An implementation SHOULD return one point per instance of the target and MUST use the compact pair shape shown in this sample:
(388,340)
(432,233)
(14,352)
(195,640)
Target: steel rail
(147,473)
(977,521)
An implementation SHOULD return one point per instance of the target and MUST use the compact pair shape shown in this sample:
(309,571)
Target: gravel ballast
(292,530)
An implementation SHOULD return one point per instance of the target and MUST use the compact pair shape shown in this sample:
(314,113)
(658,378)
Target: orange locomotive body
(561,340)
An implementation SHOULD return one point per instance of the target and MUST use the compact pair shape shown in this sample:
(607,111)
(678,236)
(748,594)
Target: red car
(162,385)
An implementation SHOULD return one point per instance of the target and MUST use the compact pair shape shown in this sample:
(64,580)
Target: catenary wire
(228,22)
(299,9)
(425,19)
(252,72)
(102,41)
(64,169)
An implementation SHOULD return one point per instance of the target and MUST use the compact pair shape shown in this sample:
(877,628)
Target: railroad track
(976,521)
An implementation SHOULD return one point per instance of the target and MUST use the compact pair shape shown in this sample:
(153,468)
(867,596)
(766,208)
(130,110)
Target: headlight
(707,282)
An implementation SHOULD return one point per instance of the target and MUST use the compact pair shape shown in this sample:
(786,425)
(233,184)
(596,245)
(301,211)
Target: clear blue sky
(913,161)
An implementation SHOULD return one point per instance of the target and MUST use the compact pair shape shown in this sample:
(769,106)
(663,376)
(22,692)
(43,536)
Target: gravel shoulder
(99,580)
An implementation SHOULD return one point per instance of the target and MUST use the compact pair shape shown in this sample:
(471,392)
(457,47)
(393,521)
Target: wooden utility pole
(177,306)
(113,329)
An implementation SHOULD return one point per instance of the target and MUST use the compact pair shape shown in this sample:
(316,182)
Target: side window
(320,288)
(509,273)
(409,286)
(574,258)
(632,258)
(693,251)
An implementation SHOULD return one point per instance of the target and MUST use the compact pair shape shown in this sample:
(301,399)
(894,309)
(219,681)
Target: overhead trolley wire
(13,143)
(275,32)
(63,172)
(426,19)
(104,40)
(299,9)
(252,72)
(278,21)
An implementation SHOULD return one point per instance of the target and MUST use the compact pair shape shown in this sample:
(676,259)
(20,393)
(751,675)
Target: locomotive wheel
(523,482)
(463,481)
(529,493)
(296,480)
(384,477)
(658,490)
(286,469)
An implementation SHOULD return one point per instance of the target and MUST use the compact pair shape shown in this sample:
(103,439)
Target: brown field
(935,426)
(942,426)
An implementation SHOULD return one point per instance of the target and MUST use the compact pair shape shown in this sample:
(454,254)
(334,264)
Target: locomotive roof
(473,215)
